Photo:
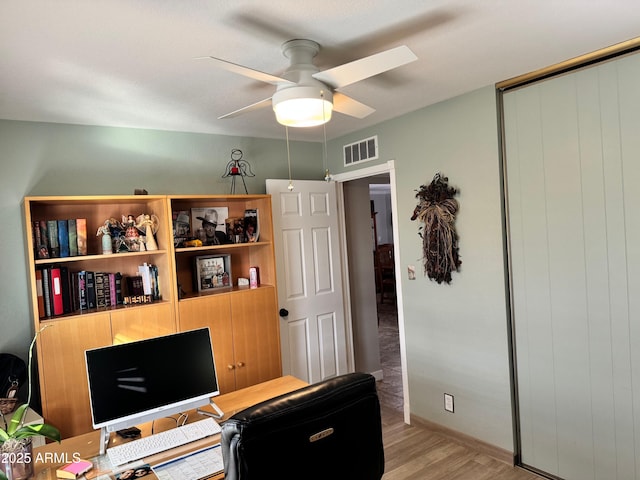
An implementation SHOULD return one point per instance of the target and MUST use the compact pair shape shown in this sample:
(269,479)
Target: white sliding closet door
(573,191)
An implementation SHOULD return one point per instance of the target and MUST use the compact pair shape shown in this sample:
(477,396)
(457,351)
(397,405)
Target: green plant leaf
(16,419)
(3,476)
(43,429)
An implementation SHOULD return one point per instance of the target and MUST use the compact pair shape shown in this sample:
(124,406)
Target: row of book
(61,291)
(60,238)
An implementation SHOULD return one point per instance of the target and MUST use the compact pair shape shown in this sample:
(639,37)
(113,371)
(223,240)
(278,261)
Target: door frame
(340,178)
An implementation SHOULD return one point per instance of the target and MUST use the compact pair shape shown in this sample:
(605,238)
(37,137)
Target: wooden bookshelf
(247,349)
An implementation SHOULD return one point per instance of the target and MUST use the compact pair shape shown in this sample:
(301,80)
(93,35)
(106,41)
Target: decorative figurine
(148,223)
(131,233)
(237,167)
(107,246)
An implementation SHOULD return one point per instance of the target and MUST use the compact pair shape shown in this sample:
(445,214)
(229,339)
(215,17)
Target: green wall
(456,334)
(55,159)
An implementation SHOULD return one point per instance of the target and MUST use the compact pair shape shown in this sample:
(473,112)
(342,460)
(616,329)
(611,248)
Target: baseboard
(478,445)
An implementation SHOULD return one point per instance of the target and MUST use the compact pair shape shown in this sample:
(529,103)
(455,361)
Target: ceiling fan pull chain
(290,187)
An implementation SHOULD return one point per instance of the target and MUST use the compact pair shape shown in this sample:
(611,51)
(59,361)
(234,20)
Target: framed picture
(251,226)
(211,272)
(181,227)
(208,224)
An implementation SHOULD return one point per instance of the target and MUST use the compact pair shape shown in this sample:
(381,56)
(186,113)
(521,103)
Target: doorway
(390,385)
(377,329)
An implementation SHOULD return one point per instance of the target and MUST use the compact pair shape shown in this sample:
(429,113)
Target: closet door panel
(530,278)
(572,146)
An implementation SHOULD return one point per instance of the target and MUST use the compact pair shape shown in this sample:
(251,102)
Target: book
(155,283)
(65,282)
(40,293)
(73,291)
(134,286)
(44,236)
(90,288)
(40,244)
(101,299)
(81,235)
(251,226)
(46,291)
(74,469)
(73,237)
(145,273)
(107,289)
(63,238)
(112,289)
(52,235)
(118,282)
(81,287)
(56,292)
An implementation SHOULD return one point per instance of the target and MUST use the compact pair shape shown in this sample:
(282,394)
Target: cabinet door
(214,312)
(65,392)
(142,322)
(256,336)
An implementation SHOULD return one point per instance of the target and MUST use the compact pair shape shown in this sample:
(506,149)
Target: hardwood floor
(414,452)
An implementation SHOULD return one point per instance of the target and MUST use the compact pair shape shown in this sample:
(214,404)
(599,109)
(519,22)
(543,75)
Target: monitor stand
(217,415)
(104,440)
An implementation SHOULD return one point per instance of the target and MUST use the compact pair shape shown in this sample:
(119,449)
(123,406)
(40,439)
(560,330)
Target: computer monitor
(136,382)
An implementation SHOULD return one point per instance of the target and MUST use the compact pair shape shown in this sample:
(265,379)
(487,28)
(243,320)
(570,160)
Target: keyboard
(160,442)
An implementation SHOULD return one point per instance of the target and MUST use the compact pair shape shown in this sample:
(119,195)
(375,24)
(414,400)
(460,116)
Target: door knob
(284,312)
(240,364)
(231,366)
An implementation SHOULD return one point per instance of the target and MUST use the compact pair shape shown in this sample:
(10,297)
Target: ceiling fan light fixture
(302,106)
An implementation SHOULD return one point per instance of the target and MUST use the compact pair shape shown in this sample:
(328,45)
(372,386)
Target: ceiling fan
(306,96)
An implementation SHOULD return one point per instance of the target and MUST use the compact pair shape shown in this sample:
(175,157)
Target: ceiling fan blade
(366,67)
(247,72)
(254,106)
(347,105)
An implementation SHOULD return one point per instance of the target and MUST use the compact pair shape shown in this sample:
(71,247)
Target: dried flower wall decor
(436,210)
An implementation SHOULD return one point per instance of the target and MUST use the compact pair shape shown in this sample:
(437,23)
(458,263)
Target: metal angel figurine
(149,224)
(237,167)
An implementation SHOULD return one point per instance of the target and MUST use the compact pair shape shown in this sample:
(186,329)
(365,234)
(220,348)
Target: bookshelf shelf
(231,246)
(85,258)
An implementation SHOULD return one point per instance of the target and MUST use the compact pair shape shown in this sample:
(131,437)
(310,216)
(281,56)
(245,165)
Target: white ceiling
(132,63)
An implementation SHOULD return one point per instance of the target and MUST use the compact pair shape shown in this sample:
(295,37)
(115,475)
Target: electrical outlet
(448,402)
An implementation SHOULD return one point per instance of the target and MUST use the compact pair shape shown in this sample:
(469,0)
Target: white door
(309,269)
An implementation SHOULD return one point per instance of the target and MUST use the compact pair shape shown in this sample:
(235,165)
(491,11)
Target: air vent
(361,151)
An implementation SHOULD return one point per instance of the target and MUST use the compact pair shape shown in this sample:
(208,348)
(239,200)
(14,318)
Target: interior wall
(456,335)
(364,315)
(572,149)
(55,159)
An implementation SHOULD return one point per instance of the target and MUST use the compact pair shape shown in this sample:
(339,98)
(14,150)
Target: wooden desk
(51,456)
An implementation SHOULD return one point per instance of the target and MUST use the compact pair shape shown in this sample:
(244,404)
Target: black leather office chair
(329,430)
